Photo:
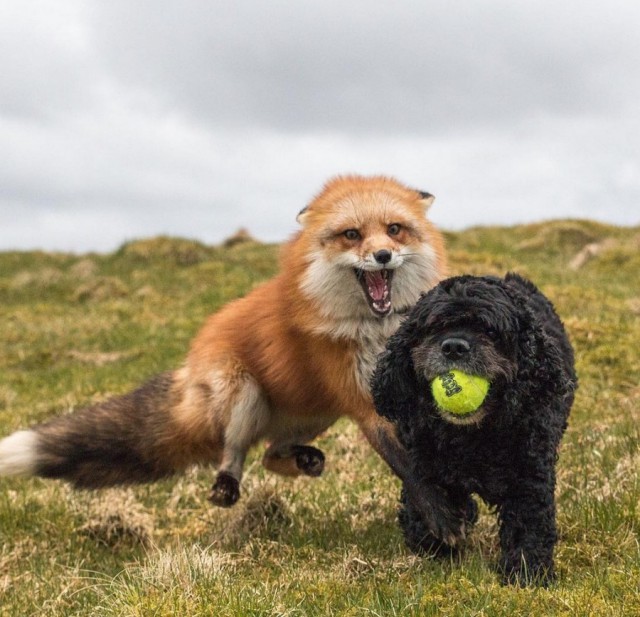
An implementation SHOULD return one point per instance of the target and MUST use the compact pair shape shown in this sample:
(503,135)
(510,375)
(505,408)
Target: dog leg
(440,516)
(247,418)
(528,535)
(424,536)
(417,535)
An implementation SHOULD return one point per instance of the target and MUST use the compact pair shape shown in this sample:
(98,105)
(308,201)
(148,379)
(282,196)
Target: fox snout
(383,256)
(378,251)
(379,258)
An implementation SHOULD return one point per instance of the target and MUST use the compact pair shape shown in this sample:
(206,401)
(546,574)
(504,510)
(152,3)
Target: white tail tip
(18,454)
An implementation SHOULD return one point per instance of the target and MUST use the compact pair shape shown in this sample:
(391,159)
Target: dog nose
(382,256)
(455,348)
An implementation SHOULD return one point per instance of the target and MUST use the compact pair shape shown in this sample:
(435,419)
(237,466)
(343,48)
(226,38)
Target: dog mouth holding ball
(464,368)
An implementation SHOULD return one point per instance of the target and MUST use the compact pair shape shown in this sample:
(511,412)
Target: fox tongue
(377,287)
(376,284)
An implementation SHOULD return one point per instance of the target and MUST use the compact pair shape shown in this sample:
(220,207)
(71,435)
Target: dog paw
(471,512)
(418,539)
(430,546)
(440,518)
(309,460)
(226,491)
(438,515)
(523,575)
(448,526)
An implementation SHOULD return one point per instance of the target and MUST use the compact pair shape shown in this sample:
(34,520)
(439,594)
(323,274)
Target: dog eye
(394,229)
(351,234)
(492,334)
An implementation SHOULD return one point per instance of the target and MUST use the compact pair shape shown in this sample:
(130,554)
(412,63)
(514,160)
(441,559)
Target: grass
(80,328)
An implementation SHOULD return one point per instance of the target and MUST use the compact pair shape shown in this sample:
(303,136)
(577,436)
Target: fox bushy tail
(123,440)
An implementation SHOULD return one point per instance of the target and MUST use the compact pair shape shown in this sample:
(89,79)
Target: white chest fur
(371,339)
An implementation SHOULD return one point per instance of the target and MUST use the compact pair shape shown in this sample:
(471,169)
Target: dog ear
(544,359)
(394,384)
(549,364)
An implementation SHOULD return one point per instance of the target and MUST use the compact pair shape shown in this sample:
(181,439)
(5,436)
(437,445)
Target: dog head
(483,326)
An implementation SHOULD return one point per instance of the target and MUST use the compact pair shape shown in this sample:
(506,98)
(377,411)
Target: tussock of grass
(115,518)
(563,235)
(85,268)
(79,328)
(100,289)
(42,278)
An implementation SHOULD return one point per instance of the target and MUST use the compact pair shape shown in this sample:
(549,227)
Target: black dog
(506,331)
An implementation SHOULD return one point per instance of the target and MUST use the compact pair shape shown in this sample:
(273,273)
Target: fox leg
(247,418)
(288,456)
(293,460)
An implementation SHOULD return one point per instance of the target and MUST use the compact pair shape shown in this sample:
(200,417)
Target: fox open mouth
(377,289)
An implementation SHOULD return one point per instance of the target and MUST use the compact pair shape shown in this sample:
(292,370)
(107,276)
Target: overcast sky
(126,119)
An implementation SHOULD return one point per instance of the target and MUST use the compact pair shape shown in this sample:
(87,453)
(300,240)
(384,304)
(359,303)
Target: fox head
(368,248)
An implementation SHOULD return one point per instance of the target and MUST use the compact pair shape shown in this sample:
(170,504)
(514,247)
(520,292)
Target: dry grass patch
(100,289)
(73,328)
(114,517)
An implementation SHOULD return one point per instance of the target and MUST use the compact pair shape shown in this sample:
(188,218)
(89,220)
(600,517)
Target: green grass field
(76,329)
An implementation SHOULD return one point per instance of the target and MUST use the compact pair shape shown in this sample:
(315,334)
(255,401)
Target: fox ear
(302,216)
(426,199)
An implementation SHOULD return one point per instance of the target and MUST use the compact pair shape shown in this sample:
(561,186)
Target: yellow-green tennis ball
(459,393)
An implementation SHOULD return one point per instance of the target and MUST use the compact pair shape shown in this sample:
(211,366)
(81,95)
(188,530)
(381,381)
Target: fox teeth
(377,288)
(384,296)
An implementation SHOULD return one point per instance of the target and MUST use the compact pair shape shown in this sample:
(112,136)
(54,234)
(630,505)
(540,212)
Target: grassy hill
(76,329)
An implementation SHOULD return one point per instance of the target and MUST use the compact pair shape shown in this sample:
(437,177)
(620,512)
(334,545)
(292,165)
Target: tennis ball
(459,393)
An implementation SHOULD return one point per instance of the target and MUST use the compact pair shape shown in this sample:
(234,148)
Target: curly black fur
(506,451)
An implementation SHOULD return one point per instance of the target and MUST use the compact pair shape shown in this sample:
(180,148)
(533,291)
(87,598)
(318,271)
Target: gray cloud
(415,67)
(46,59)
(120,119)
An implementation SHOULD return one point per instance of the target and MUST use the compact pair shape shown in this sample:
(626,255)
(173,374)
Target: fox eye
(394,229)
(351,234)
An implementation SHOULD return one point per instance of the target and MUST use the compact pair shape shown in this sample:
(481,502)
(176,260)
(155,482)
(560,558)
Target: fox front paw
(309,460)
(226,491)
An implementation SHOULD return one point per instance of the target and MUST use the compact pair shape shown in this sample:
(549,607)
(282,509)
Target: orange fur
(281,364)
(301,352)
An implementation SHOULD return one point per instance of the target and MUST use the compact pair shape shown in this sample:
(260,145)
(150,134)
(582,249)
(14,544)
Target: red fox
(281,364)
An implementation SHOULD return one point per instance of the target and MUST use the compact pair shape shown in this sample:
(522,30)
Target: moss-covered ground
(78,328)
